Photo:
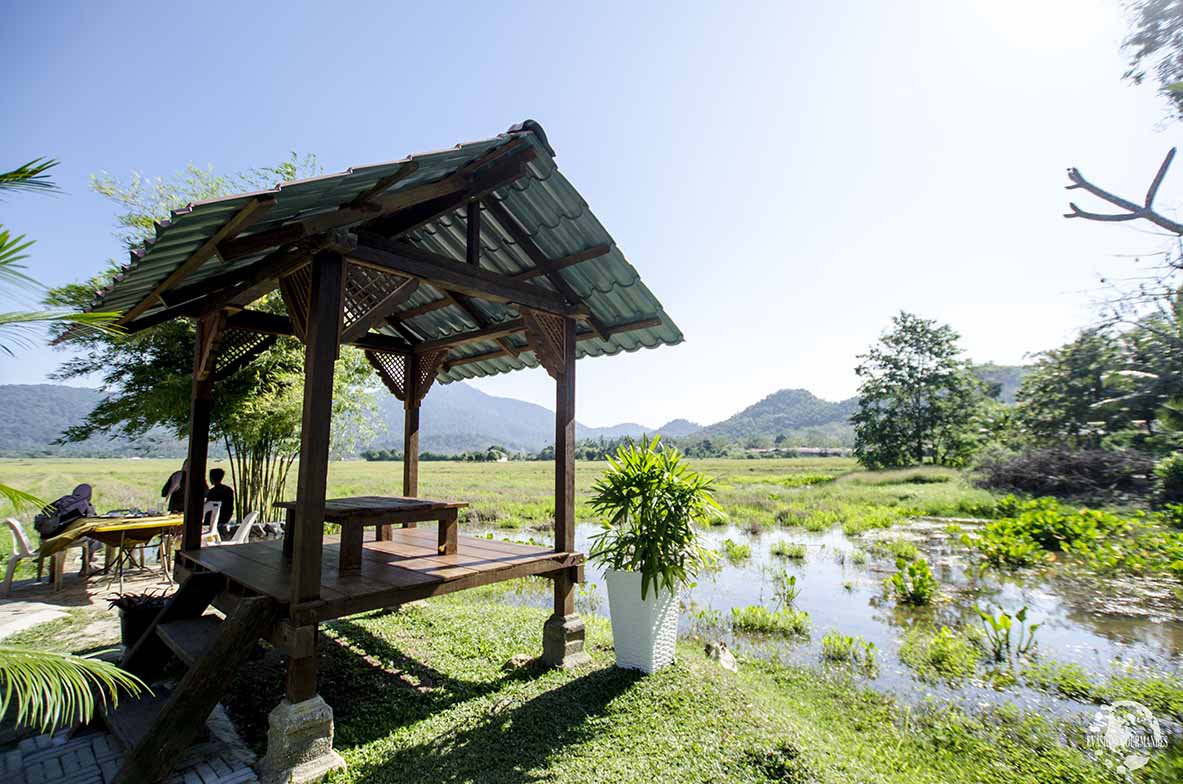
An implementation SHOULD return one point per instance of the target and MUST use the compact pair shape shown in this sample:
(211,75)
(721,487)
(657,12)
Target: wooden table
(355,514)
(126,533)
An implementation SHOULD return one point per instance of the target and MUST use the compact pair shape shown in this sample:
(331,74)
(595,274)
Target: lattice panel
(544,333)
(428,367)
(392,369)
(237,348)
(366,289)
(296,289)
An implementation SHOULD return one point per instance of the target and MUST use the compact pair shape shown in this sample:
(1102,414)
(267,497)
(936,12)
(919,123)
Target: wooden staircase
(156,729)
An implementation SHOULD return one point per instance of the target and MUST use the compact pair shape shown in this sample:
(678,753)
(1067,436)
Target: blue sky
(785,176)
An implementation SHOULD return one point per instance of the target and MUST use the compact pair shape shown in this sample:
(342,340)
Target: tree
(147,376)
(917,397)
(1155,45)
(1059,400)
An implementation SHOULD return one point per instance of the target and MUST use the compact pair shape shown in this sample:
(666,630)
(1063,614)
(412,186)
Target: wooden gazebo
(472,261)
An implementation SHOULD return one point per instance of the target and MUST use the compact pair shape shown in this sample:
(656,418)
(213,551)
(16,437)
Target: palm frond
(51,689)
(31,176)
(19,500)
(20,329)
(13,249)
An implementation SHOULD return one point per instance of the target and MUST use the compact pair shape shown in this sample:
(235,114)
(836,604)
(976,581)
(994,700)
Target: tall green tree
(1060,400)
(147,376)
(917,398)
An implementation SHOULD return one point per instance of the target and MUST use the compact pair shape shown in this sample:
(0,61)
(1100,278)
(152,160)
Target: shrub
(1168,473)
(756,618)
(913,584)
(1080,473)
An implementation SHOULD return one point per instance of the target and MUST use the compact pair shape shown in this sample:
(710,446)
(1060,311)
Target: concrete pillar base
(562,642)
(299,744)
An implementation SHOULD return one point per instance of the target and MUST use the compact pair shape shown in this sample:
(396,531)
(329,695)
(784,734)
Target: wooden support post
(562,636)
(323,334)
(200,404)
(473,235)
(411,431)
(565,467)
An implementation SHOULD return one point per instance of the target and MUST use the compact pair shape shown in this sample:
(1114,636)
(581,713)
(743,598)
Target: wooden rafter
(490,332)
(473,312)
(472,233)
(523,240)
(228,285)
(248,214)
(581,336)
(566,261)
(447,273)
(382,185)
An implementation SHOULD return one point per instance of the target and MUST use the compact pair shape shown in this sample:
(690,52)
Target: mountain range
(455,418)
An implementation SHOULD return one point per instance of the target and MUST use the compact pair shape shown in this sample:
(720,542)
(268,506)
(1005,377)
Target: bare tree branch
(1132,211)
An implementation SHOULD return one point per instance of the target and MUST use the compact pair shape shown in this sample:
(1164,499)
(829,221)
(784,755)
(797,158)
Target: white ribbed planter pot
(644,633)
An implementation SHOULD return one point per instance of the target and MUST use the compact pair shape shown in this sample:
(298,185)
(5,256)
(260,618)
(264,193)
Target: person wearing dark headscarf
(174,489)
(58,515)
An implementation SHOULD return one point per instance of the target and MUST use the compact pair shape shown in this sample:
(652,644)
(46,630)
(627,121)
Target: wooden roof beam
(271,324)
(491,332)
(643,324)
(447,273)
(249,213)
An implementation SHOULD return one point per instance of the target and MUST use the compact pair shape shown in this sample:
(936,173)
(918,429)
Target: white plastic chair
(209,519)
(243,534)
(22,550)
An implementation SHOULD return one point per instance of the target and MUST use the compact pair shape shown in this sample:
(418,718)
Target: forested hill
(795,416)
(455,418)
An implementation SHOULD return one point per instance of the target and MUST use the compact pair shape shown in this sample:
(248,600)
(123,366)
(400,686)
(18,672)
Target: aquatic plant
(913,584)
(757,618)
(1002,647)
(736,551)
(786,589)
(793,550)
(941,655)
(844,648)
(858,557)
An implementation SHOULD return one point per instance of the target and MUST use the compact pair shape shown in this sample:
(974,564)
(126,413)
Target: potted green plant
(649,501)
(136,613)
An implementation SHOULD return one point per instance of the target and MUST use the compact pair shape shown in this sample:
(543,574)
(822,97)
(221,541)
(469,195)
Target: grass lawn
(422,690)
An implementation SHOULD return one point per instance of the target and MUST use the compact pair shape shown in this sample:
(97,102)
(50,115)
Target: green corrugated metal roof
(551,210)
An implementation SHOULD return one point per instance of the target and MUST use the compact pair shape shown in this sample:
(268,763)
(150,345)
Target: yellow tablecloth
(112,530)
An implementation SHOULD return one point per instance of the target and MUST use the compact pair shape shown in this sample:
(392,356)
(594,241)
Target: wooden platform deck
(403,569)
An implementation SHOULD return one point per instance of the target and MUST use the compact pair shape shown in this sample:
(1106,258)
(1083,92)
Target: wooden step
(190,639)
(130,722)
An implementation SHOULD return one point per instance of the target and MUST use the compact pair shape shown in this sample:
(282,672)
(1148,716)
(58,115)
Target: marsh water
(1104,625)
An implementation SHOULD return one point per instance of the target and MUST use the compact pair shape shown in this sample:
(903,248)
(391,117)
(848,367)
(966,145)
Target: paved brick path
(94,758)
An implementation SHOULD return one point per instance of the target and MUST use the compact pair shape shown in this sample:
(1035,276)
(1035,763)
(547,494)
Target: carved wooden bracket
(238,349)
(296,288)
(408,377)
(544,334)
(370,296)
(209,333)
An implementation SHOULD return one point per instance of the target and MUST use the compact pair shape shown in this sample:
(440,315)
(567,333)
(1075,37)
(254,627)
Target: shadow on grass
(513,741)
(372,686)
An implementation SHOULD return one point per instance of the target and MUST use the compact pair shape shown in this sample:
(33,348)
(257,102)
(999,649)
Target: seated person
(223,494)
(174,489)
(56,517)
